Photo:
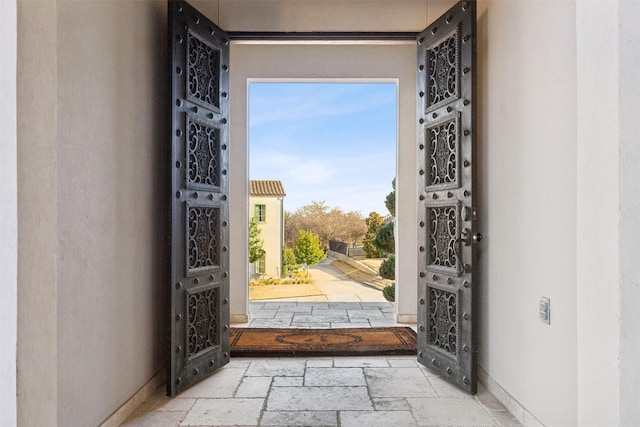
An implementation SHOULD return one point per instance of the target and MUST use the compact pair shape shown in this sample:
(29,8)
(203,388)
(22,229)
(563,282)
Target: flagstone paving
(339,391)
(331,391)
(301,314)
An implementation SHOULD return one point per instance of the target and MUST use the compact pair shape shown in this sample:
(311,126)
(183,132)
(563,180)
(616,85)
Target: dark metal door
(447,214)
(200,188)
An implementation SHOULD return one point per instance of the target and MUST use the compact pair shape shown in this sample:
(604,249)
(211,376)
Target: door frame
(340,57)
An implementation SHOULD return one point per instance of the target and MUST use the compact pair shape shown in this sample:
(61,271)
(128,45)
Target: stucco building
(266,208)
(84,168)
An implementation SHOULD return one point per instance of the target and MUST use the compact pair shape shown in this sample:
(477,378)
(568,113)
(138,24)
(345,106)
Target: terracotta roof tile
(266,188)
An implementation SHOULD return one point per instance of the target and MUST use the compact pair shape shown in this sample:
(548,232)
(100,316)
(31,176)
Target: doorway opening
(322,167)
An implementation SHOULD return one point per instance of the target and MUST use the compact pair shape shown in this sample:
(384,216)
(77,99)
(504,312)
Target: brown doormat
(270,342)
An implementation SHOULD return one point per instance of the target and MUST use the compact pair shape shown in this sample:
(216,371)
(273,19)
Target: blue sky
(325,141)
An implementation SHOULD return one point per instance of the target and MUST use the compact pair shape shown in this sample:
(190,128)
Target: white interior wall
(113,192)
(8,214)
(629,210)
(598,201)
(37,213)
(321,15)
(527,145)
(608,290)
(531,361)
(344,63)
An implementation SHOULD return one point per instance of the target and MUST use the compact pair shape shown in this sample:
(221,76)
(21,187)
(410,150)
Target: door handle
(467,237)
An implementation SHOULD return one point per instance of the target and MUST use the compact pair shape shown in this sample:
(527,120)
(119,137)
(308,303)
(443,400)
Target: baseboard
(124,411)
(517,410)
(407,318)
(239,318)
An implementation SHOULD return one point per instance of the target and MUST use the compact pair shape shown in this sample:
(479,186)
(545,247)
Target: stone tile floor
(284,314)
(389,391)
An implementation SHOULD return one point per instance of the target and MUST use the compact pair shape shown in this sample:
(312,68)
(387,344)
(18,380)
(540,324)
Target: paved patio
(301,314)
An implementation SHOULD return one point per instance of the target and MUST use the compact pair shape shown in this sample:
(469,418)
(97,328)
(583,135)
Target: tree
(308,249)
(289,263)
(385,240)
(309,217)
(325,222)
(390,200)
(373,223)
(256,251)
(355,227)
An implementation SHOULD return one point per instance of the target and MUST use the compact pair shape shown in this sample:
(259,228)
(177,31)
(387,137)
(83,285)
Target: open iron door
(447,214)
(200,206)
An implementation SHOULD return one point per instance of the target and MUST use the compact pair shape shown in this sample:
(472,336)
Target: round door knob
(477,237)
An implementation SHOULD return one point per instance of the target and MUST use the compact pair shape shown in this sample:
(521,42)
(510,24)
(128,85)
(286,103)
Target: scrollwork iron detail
(443,238)
(203,144)
(203,71)
(202,241)
(443,153)
(202,318)
(443,324)
(443,77)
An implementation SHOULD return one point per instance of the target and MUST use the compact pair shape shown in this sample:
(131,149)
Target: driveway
(337,286)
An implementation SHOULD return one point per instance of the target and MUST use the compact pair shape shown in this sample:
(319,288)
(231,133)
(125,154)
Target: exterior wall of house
(92,94)
(8,213)
(270,232)
(528,157)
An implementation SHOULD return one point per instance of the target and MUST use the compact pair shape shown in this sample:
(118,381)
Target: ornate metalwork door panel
(200,187)
(447,216)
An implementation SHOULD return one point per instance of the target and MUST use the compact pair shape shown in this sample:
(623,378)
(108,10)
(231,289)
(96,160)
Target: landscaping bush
(388,268)
(389,292)
(290,266)
(384,239)
(296,279)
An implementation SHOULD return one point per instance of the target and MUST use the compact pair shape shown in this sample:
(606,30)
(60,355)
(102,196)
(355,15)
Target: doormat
(271,342)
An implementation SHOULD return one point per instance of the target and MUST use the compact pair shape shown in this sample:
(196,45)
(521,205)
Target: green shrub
(384,239)
(290,267)
(308,249)
(374,222)
(388,268)
(389,292)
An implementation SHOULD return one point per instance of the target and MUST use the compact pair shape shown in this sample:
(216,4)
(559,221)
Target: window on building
(261,213)
(260,265)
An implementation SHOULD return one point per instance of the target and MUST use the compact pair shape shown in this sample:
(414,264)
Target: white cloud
(291,168)
(334,102)
(310,172)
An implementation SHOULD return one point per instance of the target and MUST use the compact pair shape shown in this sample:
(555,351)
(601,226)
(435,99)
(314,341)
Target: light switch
(545,310)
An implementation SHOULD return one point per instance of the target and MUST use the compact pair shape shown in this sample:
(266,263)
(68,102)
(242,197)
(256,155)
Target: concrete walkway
(337,286)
